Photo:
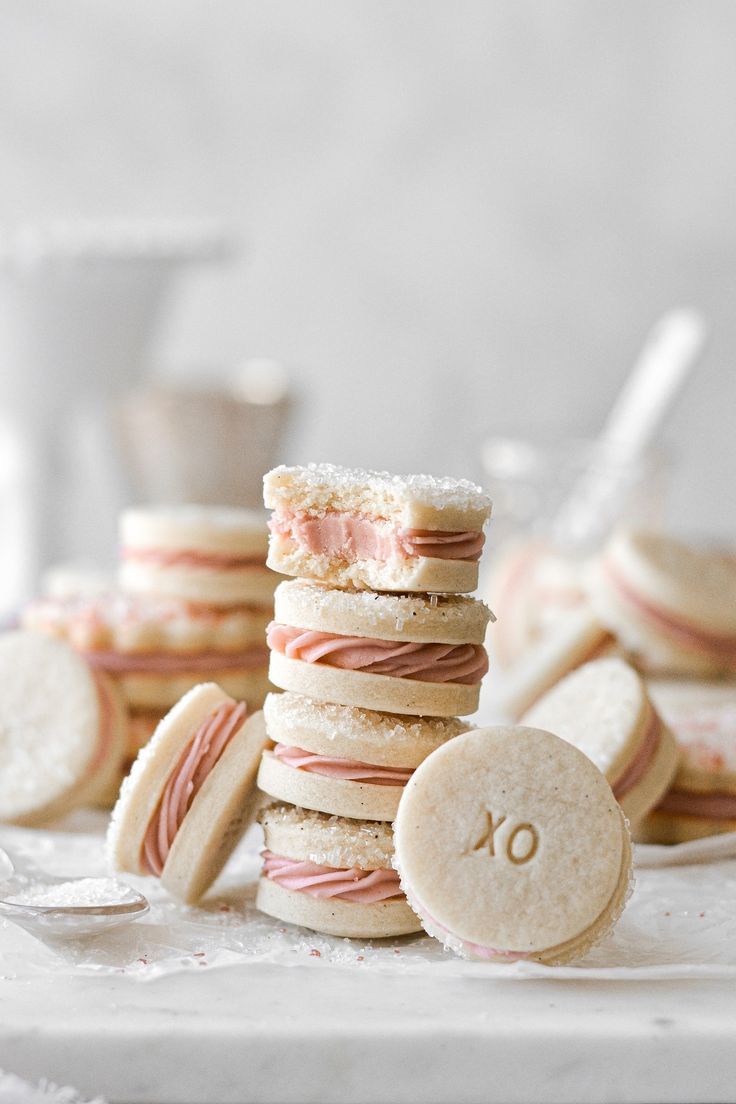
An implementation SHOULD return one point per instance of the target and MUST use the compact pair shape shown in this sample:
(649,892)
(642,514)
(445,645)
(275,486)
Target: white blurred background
(457,219)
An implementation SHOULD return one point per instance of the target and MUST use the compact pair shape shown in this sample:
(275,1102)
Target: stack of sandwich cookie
(195,599)
(374,682)
(155,649)
(604,710)
(190,795)
(62,730)
(371,530)
(510,845)
(702,798)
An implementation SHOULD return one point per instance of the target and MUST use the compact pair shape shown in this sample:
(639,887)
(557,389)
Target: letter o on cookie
(526,848)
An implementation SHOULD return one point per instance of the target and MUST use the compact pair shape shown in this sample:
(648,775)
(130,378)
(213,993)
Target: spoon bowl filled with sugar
(52,908)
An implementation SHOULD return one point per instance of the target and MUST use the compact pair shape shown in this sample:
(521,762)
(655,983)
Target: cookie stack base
(331,916)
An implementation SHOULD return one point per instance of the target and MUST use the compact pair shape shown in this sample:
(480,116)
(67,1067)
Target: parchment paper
(679,923)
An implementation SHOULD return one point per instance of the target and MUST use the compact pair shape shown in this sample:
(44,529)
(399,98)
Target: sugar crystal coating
(430,490)
(333,840)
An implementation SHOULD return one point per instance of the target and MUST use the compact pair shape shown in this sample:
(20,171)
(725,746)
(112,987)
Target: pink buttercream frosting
(200,755)
(347,769)
(355,537)
(166,557)
(461,663)
(362,886)
(643,759)
(714,805)
(722,646)
(120,663)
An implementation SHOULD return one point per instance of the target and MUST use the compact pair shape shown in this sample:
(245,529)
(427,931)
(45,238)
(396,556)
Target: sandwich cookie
(214,555)
(398,654)
(673,607)
(510,845)
(342,760)
(604,710)
(190,795)
(577,638)
(702,799)
(332,875)
(62,730)
(156,649)
(371,530)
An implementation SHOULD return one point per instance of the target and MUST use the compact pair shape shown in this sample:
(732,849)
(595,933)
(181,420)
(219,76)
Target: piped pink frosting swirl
(362,886)
(461,663)
(715,806)
(346,769)
(198,758)
(355,537)
(174,557)
(722,646)
(120,663)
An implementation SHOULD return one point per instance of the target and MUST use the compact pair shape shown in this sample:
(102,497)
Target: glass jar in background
(554,505)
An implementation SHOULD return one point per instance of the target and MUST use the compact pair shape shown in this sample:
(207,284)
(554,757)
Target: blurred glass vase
(79,304)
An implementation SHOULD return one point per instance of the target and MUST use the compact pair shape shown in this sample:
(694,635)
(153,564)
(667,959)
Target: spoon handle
(661,369)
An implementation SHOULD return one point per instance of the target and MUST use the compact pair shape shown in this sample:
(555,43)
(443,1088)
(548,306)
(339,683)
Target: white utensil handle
(658,374)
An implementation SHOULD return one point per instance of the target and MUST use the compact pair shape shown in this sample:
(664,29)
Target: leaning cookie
(672,606)
(342,760)
(604,710)
(511,846)
(371,530)
(190,795)
(214,555)
(332,875)
(398,654)
(702,799)
(576,639)
(62,730)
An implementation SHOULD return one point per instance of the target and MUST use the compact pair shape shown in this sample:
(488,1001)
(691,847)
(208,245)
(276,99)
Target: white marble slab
(262,1034)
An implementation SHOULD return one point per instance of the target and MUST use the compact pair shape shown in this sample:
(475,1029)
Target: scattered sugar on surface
(77,893)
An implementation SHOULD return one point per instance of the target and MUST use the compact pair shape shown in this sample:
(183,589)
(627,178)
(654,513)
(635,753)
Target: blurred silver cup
(207,445)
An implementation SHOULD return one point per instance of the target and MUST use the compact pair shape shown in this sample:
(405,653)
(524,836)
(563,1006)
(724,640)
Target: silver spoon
(50,921)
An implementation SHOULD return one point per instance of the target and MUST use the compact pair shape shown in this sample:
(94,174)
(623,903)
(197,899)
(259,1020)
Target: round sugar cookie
(332,875)
(342,760)
(190,795)
(510,845)
(603,709)
(409,618)
(62,730)
(672,606)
